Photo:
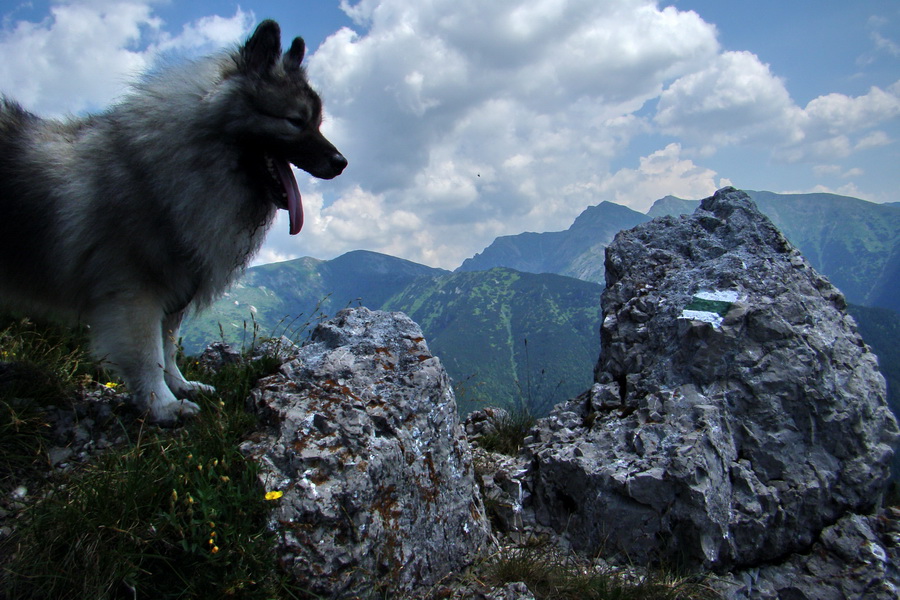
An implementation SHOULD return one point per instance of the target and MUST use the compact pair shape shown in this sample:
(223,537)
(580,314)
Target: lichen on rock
(365,442)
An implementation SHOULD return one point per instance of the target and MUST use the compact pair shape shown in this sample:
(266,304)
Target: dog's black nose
(338,163)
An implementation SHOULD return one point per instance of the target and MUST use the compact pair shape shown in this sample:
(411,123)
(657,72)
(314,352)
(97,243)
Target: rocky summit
(366,446)
(738,424)
(736,415)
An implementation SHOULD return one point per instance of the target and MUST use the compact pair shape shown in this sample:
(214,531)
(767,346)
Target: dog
(126,219)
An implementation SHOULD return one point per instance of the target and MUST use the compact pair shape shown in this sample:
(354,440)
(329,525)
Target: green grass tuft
(553,576)
(40,364)
(511,429)
(174,514)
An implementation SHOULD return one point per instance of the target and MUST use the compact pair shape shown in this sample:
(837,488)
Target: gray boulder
(737,412)
(366,445)
(857,557)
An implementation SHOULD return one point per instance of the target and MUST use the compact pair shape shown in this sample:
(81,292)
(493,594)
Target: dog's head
(277,119)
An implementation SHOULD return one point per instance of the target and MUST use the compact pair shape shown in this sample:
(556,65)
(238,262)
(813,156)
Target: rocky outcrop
(737,412)
(857,557)
(738,423)
(366,446)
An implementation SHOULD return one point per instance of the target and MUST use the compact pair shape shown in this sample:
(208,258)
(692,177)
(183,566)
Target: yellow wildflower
(111,385)
(214,549)
(274,495)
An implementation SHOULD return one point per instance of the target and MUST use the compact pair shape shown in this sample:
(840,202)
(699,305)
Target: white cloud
(849,189)
(489,118)
(881,44)
(827,170)
(837,171)
(737,100)
(493,118)
(664,172)
(207,34)
(836,113)
(836,125)
(464,120)
(84,54)
(886,45)
(875,139)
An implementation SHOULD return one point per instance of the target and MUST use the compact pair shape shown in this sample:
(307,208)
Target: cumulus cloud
(849,189)
(484,119)
(737,100)
(662,173)
(206,34)
(464,120)
(84,54)
(836,125)
(836,113)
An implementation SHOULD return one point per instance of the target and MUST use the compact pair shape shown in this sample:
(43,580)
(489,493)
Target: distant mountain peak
(576,252)
(602,215)
(376,262)
(672,205)
(854,242)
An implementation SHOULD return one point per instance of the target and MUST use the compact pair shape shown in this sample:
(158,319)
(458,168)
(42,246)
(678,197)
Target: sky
(464,120)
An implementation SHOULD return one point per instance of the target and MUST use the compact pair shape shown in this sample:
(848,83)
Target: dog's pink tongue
(294,205)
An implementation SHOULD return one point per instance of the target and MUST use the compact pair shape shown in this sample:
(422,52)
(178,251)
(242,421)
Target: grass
(157,520)
(551,575)
(39,364)
(181,514)
(510,431)
(173,514)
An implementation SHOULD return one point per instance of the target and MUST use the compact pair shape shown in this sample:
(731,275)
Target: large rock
(366,445)
(737,413)
(857,557)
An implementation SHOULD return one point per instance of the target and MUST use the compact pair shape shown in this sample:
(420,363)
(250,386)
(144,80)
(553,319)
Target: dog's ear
(263,48)
(294,56)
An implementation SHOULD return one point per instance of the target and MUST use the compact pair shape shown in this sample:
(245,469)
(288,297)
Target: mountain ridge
(511,309)
(854,242)
(507,338)
(559,252)
(289,297)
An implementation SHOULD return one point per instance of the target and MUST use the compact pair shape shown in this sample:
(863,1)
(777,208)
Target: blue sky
(465,120)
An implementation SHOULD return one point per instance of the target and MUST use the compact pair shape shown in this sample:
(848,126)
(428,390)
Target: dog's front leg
(181,387)
(127,332)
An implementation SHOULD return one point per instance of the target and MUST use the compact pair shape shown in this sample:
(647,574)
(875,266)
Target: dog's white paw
(195,387)
(169,413)
(190,389)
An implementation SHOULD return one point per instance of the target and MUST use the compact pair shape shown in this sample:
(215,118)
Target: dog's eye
(296,122)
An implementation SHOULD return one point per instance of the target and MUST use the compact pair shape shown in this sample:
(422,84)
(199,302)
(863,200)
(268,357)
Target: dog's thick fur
(127,219)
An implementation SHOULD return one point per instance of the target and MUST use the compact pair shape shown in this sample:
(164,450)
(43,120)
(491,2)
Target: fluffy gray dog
(127,219)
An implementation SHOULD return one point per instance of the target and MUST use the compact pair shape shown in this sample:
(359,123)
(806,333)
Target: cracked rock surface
(737,414)
(365,443)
